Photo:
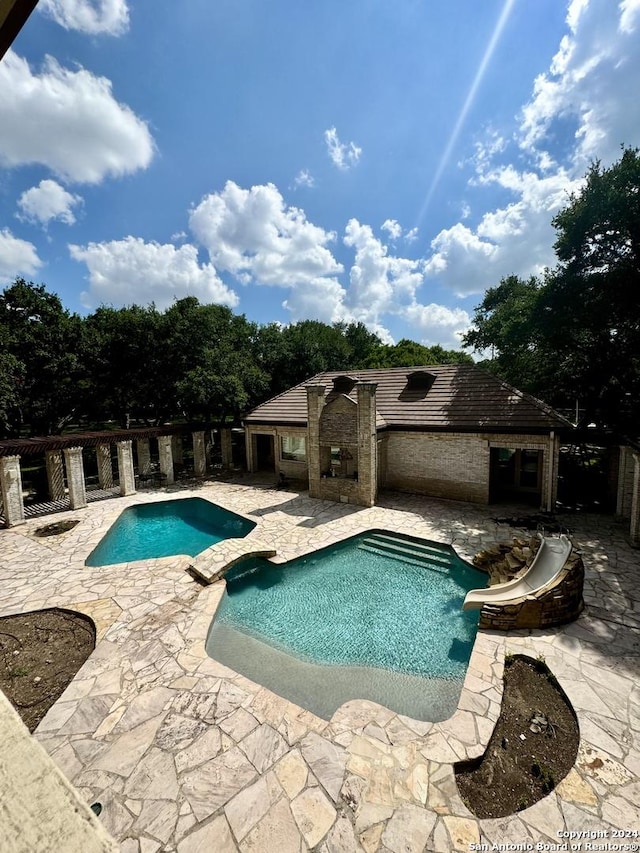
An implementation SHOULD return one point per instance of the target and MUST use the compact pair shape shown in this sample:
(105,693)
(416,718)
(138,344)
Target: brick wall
(339,423)
(445,465)
(457,465)
(291,469)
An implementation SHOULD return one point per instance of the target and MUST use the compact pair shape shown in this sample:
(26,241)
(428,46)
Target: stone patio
(186,755)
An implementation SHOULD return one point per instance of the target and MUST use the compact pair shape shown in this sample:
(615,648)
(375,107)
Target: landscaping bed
(40,653)
(533,746)
(56,529)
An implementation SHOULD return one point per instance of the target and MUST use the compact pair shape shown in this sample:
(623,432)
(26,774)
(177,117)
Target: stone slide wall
(560,603)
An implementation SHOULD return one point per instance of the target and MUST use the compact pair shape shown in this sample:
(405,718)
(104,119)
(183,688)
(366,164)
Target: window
(293,448)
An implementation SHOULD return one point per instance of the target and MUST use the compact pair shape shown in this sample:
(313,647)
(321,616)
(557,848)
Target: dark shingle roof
(463,397)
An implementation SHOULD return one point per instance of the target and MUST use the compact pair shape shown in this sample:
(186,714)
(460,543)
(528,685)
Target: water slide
(545,568)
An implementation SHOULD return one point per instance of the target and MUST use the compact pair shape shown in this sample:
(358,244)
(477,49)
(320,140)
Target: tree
(123,349)
(592,299)
(209,361)
(507,327)
(576,334)
(40,367)
(407,353)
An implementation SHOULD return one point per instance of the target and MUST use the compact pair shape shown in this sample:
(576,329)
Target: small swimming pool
(377,617)
(166,528)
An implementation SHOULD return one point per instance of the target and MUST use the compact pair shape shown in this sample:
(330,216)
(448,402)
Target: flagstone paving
(186,755)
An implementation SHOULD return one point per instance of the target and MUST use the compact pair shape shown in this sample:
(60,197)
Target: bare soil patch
(56,529)
(532,748)
(40,653)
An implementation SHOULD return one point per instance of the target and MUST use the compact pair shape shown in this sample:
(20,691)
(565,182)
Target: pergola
(65,468)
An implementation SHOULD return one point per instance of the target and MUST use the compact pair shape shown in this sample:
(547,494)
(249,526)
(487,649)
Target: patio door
(515,474)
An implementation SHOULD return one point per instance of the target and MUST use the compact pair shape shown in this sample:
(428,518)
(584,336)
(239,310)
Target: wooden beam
(13,16)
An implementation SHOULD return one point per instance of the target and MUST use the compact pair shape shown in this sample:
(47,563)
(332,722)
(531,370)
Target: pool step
(406,547)
(422,562)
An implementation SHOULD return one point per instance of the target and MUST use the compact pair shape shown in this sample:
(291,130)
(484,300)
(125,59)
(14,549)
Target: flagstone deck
(186,755)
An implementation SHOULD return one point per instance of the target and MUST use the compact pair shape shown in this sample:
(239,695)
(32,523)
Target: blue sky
(339,161)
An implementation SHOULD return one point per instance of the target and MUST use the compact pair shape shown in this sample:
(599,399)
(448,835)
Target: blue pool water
(167,528)
(376,617)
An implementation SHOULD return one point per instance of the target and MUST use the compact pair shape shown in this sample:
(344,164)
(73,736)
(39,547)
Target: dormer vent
(420,380)
(343,384)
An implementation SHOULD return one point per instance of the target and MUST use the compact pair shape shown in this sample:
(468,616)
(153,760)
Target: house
(448,431)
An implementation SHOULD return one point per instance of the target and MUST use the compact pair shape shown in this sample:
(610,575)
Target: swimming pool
(376,617)
(166,528)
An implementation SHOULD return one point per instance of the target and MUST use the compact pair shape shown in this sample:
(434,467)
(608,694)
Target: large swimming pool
(166,528)
(376,617)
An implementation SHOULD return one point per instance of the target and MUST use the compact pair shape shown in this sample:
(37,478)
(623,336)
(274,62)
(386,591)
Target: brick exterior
(457,465)
(452,465)
(339,423)
(443,465)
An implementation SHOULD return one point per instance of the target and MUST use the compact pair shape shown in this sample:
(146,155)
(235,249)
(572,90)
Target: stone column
(75,477)
(144,457)
(625,482)
(199,454)
(55,474)
(11,488)
(105,466)
(166,457)
(226,447)
(367,443)
(635,504)
(125,468)
(315,404)
(176,449)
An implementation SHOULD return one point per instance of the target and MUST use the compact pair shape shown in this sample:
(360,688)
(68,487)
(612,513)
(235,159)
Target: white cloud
(593,81)
(379,283)
(257,237)
(516,239)
(123,272)
(343,155)
(89,16)
(16,257)
(582,109)
(438,324)
(392,227)
(319,300)
(304,178)
(395,231)
(68,121)
(48,201)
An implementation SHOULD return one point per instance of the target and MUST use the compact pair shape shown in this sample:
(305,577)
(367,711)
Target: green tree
(40,368)
(123,351)
(407,353)
(591,302)
(507,329)
(209,361)
(576,334)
